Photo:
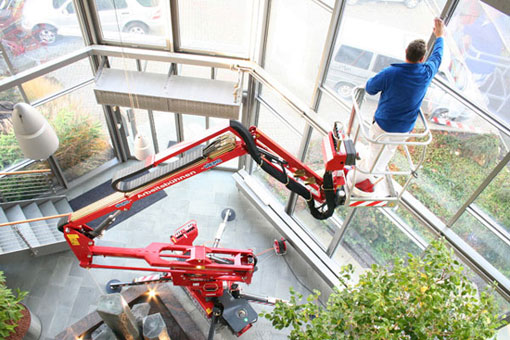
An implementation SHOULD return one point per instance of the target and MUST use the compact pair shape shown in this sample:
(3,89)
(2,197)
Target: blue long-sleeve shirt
(403,87)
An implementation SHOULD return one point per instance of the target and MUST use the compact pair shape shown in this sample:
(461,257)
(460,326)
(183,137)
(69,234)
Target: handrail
(25,172)
(34,219)
(359,92)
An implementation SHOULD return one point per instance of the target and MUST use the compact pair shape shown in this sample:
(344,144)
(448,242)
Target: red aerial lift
(209,274)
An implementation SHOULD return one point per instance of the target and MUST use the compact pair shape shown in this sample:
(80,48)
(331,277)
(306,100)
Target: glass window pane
(222,26)
(321,230)
(165,129)
(58,81)
(372,36)
(136,122)
(286,137)
(4,69)
(287,113)
(155,66)
(80,125)
(37,31)
(354,56)
(11,95)
(484,241)
(126,64)
(296,36)
(10,152)
(481,55)
(195,71)
(279,130)
(495,199)
(408,219)
(194,126)
(134,21)
(467,146)
(372,238)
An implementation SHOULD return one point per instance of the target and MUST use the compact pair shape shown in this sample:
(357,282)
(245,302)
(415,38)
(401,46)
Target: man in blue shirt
(402,87)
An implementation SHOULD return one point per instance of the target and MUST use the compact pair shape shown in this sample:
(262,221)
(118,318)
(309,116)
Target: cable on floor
(301,282)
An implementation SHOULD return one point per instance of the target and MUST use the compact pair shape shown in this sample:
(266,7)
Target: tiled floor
(61,292)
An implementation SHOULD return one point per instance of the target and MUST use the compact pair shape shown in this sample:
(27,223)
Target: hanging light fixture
(142,149)
(35,136)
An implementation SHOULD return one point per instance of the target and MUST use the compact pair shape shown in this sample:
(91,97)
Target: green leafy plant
(10,308)
(426,297)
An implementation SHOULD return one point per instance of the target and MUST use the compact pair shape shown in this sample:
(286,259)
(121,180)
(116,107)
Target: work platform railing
(386,193)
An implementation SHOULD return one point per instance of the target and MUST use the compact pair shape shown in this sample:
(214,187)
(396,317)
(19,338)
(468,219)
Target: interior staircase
(38,237)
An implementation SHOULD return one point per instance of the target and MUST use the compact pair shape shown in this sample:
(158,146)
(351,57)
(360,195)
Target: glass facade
(142,22)
(296,36)
(57,81)
(462,186)
(35,32)
(81,128)
(219,27)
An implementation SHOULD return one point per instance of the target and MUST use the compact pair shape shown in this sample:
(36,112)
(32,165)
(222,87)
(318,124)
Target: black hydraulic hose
(329,192)
(289,182)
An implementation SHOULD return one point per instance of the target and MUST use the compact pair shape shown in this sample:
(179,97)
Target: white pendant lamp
(35,136)
(142,148)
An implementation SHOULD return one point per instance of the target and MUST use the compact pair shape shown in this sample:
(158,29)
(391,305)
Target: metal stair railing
(49,237)
(358,129)
(26,185)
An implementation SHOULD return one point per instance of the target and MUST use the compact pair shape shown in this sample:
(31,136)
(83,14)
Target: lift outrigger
(210,274)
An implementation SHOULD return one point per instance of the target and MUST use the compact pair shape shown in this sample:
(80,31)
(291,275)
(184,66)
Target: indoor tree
(425,297)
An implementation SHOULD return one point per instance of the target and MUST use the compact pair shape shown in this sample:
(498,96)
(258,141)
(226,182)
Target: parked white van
(364,50)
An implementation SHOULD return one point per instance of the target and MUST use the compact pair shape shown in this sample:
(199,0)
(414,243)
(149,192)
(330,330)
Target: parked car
(408,3)
(364,50)
(48,18)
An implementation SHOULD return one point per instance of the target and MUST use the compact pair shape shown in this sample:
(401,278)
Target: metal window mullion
(43,69)
(57,171)
(10,67)
(90,18)
(150,115)
(62,93)
(329,45)
(469,256)
(446,15)
(339,234)
(260,58)
(247,116)
(404,227)
(83,14)
(490,224)
(117,133)
(327,53)
(484,114)
(303,147)
(480,188)
(278,115)
(174,21)
(315,101)
(323,5)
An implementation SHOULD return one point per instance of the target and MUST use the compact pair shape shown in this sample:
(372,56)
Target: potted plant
(16,321)
(427,297)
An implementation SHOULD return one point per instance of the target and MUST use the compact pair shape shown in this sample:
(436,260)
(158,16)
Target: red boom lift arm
(209,274)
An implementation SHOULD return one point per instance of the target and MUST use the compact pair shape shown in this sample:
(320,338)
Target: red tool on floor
(209,274)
